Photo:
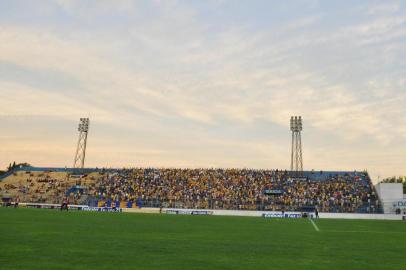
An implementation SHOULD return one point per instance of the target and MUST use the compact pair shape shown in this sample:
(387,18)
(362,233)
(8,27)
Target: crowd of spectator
(242,189)
(238,189)
(38,188)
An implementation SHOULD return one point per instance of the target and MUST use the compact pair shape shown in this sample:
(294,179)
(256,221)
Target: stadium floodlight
(296,162)
(299,123)
(296,124)
(83,125)
(292,123)
(83,128)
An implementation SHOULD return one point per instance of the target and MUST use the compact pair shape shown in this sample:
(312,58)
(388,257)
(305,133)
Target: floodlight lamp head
(84,125)
(296,123)
(292,123)
(299,124)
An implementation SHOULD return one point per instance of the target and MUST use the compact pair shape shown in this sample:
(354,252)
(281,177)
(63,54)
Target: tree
(16,165)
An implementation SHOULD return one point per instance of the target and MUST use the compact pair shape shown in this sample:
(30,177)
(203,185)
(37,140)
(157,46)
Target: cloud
(383,8)
(91,9)
(197,90)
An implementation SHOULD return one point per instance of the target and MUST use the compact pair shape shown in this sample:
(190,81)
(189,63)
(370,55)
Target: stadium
(176,218)
(211,135)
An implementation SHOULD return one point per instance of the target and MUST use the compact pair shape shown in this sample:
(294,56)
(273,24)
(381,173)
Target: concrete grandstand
(226,189)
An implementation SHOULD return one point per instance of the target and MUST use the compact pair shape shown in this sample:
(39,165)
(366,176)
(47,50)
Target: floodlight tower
(83,129)
(296,162)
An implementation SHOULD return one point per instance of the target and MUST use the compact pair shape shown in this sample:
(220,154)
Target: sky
(204,83)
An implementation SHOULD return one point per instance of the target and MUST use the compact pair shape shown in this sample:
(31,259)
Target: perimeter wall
(216,212)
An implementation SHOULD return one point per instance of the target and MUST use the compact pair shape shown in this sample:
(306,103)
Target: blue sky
(205,83)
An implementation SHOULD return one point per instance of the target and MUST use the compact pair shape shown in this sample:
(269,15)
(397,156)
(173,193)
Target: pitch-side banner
(280,215)
(189,212)
(101,209)
(400,204)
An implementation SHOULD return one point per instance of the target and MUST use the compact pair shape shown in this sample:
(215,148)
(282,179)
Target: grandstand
(227,189)
(43,185)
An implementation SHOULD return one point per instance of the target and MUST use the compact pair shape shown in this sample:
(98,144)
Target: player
(316,212)
(113,205)
(17,201)
(64,204)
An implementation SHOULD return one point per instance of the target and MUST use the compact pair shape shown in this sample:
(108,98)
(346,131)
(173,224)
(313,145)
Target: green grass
(49,239)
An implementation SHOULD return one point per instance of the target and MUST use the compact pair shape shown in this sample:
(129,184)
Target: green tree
(14,165)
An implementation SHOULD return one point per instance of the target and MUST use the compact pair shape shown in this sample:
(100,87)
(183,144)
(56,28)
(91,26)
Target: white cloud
(383,8)
(175,77)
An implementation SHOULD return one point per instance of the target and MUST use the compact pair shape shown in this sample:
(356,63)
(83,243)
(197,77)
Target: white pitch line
(314,225)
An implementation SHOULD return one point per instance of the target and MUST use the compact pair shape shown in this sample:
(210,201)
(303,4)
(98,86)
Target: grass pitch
(49,239)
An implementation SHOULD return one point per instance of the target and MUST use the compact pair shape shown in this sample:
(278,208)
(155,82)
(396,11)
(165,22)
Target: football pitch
(50,239)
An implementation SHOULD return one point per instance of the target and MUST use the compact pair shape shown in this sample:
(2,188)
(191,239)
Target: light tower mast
(83,129)
(296,162)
